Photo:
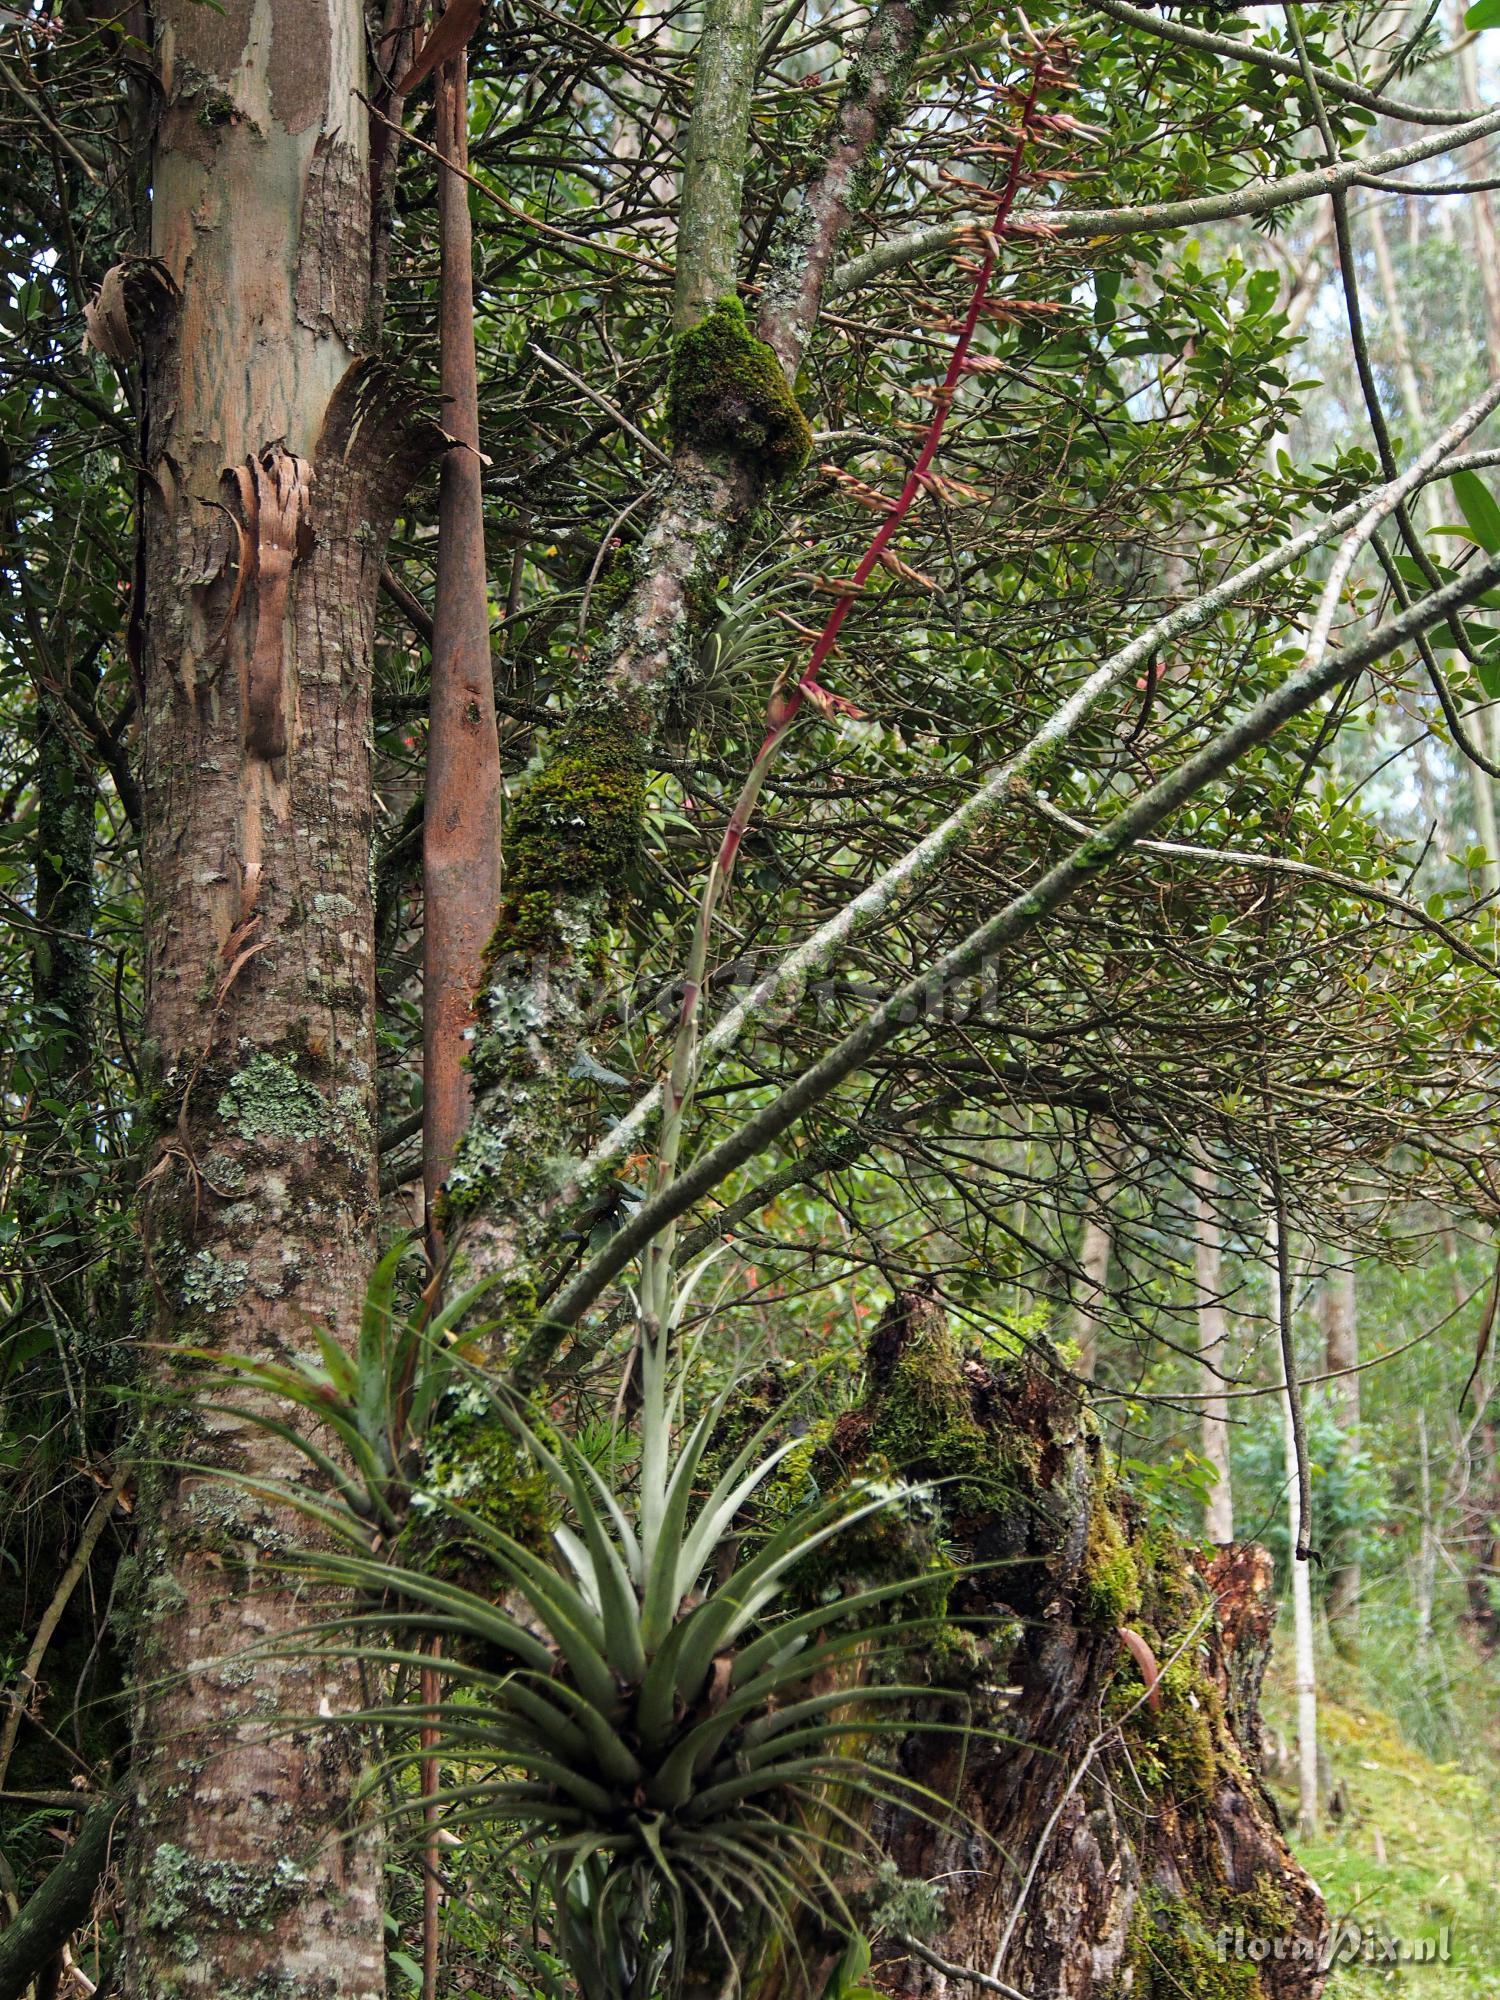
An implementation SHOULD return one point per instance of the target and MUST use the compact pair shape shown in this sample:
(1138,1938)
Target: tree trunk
(1426,1588)
(1341,1358)
(274,457)
(1305,1668)
(1218,1508)
(1480,210)
(1093,1263)
(736,429)
(461,824)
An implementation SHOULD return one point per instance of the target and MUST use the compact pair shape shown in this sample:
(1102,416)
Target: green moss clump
(1179,1743)
(925,1426)
(215,109)
(472,1461)
(728,393)
(1109,1591)
(1182,1730)
(573,838)
(1172,1950)
(1266,1908)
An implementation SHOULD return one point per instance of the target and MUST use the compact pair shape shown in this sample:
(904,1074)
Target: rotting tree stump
(1117,1837)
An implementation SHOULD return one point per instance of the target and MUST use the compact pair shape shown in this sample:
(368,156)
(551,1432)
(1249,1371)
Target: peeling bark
(820,211)
(249,1873)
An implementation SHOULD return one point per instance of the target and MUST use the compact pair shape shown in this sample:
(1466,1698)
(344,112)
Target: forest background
(1277,1016)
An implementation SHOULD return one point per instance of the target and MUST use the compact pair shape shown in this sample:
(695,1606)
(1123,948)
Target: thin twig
(653,451)
(26,1681)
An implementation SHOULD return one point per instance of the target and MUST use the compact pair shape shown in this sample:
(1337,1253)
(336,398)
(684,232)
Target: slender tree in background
(1213,1352)
(1093,1268)
(1338,1298)
(1305,1668)
(461,824)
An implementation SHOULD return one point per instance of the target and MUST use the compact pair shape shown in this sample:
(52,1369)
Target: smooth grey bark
(1304,1670)
(1093,1262)
(1341,1358)
(1213,1343)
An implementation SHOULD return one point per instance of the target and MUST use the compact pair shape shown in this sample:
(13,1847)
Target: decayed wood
(1100,1843)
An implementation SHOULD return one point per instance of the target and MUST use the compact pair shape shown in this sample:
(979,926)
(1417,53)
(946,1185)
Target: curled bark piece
(450,35)
(275,530)
(123,310)
(1145,1659)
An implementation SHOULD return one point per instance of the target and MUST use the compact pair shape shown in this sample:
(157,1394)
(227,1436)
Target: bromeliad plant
(666,1738)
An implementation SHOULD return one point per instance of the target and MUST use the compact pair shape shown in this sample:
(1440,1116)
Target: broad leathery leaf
(1476,502)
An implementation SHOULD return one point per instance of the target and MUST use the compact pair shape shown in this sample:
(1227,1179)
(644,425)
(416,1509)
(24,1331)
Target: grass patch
(1416,1848)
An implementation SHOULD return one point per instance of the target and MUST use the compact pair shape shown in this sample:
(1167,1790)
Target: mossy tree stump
(1155,1832)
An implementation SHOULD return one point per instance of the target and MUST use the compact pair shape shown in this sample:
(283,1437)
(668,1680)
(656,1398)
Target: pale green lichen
(353,1126)
(267,1097)
(211,1283)
(182,1886)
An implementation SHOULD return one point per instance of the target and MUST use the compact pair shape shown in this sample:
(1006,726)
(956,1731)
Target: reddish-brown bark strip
(461,830)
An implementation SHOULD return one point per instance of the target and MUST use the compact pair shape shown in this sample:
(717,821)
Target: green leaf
(1476,502)
(1483,14)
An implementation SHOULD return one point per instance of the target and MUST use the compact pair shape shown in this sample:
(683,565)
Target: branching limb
(1166,29)
(1280,864)
(60,1907)
(924,995)
(1152,218)
(905,876)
